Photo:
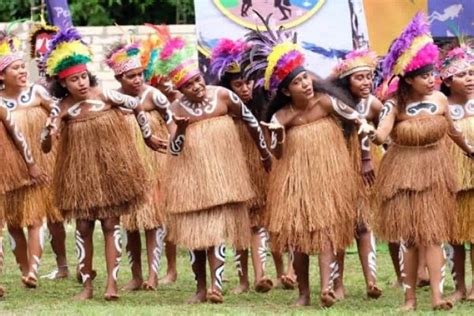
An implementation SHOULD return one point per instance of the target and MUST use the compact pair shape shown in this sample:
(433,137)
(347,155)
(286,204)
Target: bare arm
(277,136)
(17,136)
(457,136)
(386,123)
(240,110)
(51,128)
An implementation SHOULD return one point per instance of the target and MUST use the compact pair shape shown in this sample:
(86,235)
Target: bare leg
(198,263)
(171,272)
(35,250)
(19,248)
(134,252)
(471,294)
(408,263)
(394,249)
(216,257)
(154,246)
(456,259)
(113,253)
(368,259)
(85,253)
(328,272)
(279,268)
(437,271)
(241,262)
(423,277)
(301,266)
(259,257)
(339,289)
(58,244)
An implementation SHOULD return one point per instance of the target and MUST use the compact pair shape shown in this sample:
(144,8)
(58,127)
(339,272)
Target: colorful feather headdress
(124,57)
(10,50)
(275,56)
(456,58)
(67,54)
(357,60)
(36,30)
(226,57)
(150,51)
(413,50)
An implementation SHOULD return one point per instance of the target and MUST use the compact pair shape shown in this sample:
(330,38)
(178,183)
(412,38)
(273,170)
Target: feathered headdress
(67,54)
(10,49)
(124,57)
(413,50)
(275,56)
(357,60)
(150,50)
(226,57)
(37,29)
(455,57)
(177,61)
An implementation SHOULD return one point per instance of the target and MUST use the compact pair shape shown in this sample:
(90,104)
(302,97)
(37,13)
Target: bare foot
(410,305)
(199,297)
(303,300)
(57,274)
(443,305)
(149,285)
(470,297)
(133,285)
(2,291)
(340,293)
(373,291)
(110,297)
(169,278)
(242,288)
(328,298)
(30,281)
(215,296)
(457,296)
(289,283)
(263,285)
(86,294)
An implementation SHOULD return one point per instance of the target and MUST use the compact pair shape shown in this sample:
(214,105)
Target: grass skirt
(209,186)
(31,204)
(464,166)
(13,171)
(258,175)
(312,190)
(151,213)
(98,171)
(414,193)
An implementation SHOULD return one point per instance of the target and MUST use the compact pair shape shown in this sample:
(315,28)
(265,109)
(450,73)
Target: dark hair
(344,84)
(58,91)
(280,100)
(444,88)
(259,97)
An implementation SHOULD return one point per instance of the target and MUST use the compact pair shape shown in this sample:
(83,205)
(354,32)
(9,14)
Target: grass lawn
(54,297)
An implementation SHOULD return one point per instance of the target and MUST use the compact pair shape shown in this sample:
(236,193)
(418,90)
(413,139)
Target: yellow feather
(63,51)
(407,56)
(277,52)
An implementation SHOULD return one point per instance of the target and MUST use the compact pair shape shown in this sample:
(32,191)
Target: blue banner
(450,16)
(59,14)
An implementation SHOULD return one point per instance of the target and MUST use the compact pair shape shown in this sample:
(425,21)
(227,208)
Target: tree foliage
(108,12)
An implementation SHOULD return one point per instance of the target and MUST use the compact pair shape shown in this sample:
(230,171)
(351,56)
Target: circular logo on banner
(287,13)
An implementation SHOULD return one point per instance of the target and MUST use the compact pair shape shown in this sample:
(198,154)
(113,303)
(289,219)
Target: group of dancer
(271,153)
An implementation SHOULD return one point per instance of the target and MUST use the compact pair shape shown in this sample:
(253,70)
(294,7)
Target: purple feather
(417,27)
(67,35)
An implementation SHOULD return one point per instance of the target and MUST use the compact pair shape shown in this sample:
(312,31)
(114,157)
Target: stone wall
(99,37)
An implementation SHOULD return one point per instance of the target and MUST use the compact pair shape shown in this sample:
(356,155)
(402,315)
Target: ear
(448,82)
(408,80)
(62,82)
(286,92)
(2,75)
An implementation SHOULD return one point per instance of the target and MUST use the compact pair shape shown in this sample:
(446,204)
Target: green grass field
(54,297)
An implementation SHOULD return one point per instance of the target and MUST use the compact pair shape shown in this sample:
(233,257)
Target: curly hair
(58,91)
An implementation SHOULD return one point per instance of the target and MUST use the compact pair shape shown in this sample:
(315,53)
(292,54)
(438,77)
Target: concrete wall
(99,37)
